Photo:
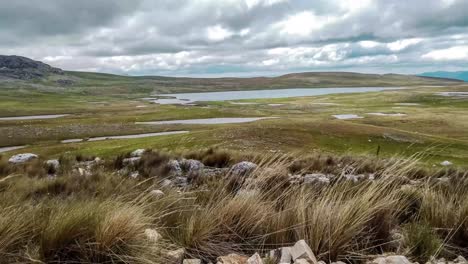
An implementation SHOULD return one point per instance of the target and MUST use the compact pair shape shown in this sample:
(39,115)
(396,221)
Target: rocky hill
(17,67)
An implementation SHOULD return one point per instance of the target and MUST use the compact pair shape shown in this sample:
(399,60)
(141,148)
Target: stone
(394,259)
(152,235)
(301,250)
(166,183)
(255,259)
(177,255)
(135,174)
(131,161)
(181,182)
(243,168)
(446,163)
(137,153)
(194,168)
(301,261)
(285,255)
(232,259)
(316,179)
(191,261)
(174,168)
(157,193)
(22,158)
(460,259)
(54,163)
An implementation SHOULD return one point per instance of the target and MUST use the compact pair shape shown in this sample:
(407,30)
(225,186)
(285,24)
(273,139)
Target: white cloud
(453,53)
(218,33)
(403,44)
(304,23)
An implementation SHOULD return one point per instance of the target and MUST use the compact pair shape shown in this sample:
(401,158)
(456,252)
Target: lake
(32,117)
(75,140)
(188,98)
(207,121)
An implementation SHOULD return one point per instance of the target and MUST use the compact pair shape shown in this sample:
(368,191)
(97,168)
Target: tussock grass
(102,217)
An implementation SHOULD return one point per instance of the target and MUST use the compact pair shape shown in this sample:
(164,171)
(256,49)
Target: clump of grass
(422,242)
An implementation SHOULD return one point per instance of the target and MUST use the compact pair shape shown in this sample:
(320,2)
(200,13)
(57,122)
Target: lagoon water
(207,121)
(75,140)
(187,98)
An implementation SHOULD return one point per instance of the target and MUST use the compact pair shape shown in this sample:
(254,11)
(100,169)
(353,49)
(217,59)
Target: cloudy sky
(238,37)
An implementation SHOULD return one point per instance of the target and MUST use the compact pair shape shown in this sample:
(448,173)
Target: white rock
(135,174)
(177,255)
(301,250)
(22,158)
(232,259)
(166,183)
(301,261)
(131,161)
(175,169)
(390,260)
(255,259)
(460,260)
(157,193)
(194,168)
(285,255)
(152,235)
(191,261)
(316,178)
(54,163)
(446,163)
(243,168)
(137,153)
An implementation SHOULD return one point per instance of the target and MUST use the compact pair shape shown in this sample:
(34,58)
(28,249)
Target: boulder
(395,259)
(137,153)
(166,183)
(174,168)
(181,182)
(157,193)
(301,250)
(232,259)
(22,158)
(191,261)
(131,161)
(54,164)
(243,168)
(255,259)
(316,179)
(176,256)
(285,255)
(152,235)
(193,168)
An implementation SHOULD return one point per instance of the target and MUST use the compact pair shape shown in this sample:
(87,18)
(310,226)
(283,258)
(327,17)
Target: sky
(238,37)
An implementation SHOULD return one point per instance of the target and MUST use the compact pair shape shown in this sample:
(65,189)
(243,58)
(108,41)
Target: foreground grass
(102,218)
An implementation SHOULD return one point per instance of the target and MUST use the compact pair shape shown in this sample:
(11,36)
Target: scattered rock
(181,182)
(255,259)
(446,163)
(174,168)
(194,168)
(177,255)
(157,193)
(191,261)
(131,161)
(243,168)
(135,174)
(137,153)
(22,158)
(232,259)
(54,164)
(152,235)
(390,260)
(316,179)
(285,255)
(301,250)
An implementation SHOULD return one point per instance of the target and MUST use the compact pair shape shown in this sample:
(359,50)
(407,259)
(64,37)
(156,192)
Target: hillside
(458,75)
(27,73)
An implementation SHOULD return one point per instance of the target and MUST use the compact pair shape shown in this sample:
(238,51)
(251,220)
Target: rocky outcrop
(243,168)
(22,68)
(22,158)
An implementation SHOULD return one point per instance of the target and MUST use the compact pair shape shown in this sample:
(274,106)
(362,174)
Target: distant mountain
(17,67)
(459,75)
